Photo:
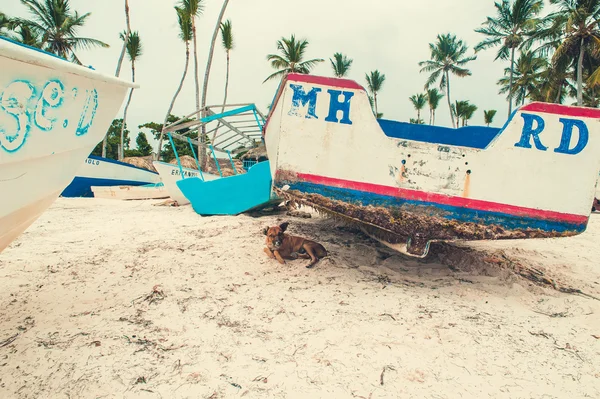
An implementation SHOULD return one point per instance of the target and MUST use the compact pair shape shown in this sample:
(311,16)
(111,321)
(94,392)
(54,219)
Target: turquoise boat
(211,194)
(231,195)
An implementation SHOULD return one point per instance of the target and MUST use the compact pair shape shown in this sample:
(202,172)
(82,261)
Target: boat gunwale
(20,52)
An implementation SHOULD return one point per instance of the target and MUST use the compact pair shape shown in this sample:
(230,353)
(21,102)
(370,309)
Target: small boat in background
(408,185)
(220,194)
(171,174)
(52,114)
(104,172)
(147,191)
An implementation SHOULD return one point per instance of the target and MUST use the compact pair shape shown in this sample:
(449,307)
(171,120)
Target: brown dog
(281,245)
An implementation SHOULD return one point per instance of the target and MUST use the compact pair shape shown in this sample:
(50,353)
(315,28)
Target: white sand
(82,296)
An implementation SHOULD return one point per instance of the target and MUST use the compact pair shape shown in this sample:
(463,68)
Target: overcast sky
(389,35)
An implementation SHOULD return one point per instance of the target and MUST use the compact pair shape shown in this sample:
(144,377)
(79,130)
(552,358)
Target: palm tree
(375,83)
(378,115)
(488,116)
(433,98)
(468,113)
(134,51)
(526,77)
(513,24)
(202,138)
(291,58)
(119,63)
(340,64)
(6,25)
(574,31)
(194,8)
(418,101)
(555,83)
(185,34)
(228,45)
(57,25)
(447,55)
(464,111)
(227,41)
(458,109)
(23,34)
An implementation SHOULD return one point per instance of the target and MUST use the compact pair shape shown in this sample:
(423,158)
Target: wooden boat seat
(467,136)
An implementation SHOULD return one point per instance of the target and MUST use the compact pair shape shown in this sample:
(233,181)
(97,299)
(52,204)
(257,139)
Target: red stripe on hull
(562,110)
(325,81)
(444,199)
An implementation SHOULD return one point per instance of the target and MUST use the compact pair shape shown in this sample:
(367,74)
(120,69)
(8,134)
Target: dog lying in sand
(282,246)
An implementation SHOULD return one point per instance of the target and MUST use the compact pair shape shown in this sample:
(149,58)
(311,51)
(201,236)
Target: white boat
(410,184)
(52,114)
(148,191)
(170,174)
(98,171)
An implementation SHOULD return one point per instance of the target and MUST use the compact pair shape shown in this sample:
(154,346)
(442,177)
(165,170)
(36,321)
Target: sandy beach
(111,299)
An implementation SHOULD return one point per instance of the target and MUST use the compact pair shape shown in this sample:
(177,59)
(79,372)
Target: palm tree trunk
(207,73)
(185,69)
(449,102)
(119,63)
(433,114)
(122,149)
(512,63)
(375,102)
(122,55)
(579,75)
(418,115)
(558,93)
(430,115)
(197,82)
(224,97)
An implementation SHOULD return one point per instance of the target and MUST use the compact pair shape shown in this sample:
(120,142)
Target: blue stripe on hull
(506,221)
(114,161)
(467,136)
(82,186)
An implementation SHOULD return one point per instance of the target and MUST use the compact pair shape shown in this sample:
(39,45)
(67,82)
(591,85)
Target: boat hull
(103,172)
(415,184)
(231,195)
(52,114)
(170,175)
(151,191)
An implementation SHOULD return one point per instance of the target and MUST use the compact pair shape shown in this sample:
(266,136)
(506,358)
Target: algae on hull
(398,224)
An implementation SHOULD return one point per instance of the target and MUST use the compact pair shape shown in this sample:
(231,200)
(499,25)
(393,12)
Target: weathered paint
(52,114)
(536,173)
(230,195)
(100,172)
(170,175)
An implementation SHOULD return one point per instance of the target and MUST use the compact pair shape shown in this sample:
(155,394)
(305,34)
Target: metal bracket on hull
(404,248)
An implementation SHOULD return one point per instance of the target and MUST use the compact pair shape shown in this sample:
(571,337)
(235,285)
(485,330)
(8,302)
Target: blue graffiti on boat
(88,114)
(529,132)
(12,101)
(39,107)
(52,96)
(302,98)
